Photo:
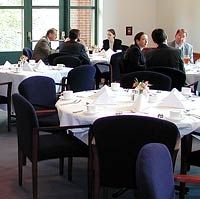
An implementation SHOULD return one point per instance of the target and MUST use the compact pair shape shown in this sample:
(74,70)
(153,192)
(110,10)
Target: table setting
(181,109)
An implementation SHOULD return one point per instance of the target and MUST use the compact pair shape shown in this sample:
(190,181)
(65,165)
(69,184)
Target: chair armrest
(45,112)
(5,83)
(187,178)
(64,127)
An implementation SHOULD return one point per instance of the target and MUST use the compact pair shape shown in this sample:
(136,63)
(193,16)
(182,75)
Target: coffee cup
(115,86)
(59,66)
(186,90)
(91,108)
(175,114)
(67,94)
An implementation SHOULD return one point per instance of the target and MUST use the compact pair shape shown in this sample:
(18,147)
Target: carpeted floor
(51,185)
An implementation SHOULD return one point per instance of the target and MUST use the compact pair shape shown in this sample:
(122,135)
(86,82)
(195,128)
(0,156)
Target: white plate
(175,119)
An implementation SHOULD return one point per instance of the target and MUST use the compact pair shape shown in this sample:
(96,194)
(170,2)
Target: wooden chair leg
(70,162)
(20,166)
(34,179)
(61,166)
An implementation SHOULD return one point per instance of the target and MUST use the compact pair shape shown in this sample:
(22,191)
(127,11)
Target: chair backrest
(178,77)
(157,80)
(118,139)
(52,56)
(40,91)
(67,60)
(124,47)
(26,120)
(116,62)
(81,78)
(154,172)
(27,52)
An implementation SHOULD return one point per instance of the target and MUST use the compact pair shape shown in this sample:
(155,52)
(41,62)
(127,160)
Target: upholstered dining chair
(52,56)
(38,146)
(155,178)
(114,144)
(178,77)
(157,80)
(6,99)
(67,60)
(27,52)
(40,91)
(154,172)
(102,72)
(80,78)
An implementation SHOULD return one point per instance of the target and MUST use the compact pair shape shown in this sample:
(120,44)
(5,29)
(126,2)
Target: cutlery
(79,111)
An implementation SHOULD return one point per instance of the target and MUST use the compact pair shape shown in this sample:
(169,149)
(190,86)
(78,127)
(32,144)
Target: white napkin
(7,64)
(174,100)
(40,66)
(27,67)
(103,96)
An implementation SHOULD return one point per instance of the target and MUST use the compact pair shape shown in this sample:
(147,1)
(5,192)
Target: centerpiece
(141,94)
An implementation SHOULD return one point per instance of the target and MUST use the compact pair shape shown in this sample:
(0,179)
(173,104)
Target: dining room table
(107,102)
(192,72)
(13,73)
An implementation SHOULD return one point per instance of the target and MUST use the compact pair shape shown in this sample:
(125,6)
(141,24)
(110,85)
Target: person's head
(52,34)
(111,34)
(180,36)
(141,40)
(159,36)
(74,34)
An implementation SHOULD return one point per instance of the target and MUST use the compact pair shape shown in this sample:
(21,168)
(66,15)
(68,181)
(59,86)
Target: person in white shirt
(180,42)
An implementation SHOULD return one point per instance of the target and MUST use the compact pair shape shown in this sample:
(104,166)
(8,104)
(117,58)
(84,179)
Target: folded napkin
(7,64)
(27,67)
(109,53)
(103,96)
(40,65)
(174,100)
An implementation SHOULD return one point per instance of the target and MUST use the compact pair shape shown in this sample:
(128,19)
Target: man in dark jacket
(163,55)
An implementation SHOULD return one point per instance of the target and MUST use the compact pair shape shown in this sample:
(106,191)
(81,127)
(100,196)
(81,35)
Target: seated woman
(73,47)
(112,43)
(134,59)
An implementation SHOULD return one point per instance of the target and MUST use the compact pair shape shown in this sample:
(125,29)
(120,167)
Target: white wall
(145,15)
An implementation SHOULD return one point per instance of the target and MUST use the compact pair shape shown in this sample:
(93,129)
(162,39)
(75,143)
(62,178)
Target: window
(82,17)
(12,25)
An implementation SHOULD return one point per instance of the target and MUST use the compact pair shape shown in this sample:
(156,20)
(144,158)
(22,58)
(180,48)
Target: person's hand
(67,39)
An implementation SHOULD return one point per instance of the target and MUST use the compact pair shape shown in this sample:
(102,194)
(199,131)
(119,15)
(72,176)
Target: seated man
(180,42)
(72,47)
(43,47)
(163,55)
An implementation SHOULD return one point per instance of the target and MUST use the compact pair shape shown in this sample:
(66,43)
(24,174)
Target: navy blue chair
(157,80)
(154,172)
(27,52)
(40,91)
(80,78)
(67,60)
(178,77)
(118,140)
(37,146)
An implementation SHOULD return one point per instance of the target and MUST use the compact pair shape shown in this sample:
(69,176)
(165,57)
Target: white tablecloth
(8,75)
(192,73)
(74,112)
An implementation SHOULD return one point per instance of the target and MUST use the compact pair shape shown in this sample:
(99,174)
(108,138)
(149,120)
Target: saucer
(70,99)
(175,119)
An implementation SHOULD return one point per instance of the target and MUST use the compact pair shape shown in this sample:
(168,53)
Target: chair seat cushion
(67,145)
(49,120)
